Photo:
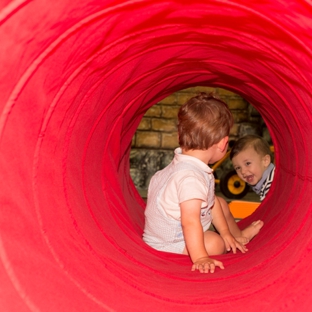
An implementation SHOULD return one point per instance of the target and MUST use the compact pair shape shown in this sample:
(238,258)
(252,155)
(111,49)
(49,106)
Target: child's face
(250,165)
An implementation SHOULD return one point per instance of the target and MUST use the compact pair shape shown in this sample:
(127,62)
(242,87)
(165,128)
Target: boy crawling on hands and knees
(181,203)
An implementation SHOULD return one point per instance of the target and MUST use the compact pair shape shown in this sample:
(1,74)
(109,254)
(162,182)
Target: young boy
(181,203)
(252,159)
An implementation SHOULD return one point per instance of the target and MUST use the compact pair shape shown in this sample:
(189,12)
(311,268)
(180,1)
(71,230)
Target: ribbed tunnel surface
(76,78)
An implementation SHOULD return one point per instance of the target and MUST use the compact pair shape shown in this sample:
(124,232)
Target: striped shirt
(267,184)
(264,185)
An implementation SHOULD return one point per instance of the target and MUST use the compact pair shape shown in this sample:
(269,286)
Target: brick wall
(156,136)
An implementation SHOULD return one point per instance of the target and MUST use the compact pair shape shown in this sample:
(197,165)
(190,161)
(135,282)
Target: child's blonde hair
(203,121)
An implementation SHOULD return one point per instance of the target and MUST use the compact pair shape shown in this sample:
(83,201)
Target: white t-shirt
(185,178)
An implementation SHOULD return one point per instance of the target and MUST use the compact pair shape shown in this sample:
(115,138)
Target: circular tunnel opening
(86,74)
(156,137)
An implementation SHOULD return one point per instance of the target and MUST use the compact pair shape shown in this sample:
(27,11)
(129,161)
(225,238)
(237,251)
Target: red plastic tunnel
(76,78)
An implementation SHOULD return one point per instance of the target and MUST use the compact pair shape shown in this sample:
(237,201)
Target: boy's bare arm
(194,237)
(218,218)
(221,225)
(192,229)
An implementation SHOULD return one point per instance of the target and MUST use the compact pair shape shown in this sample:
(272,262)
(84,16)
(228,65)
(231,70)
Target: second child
(252,159)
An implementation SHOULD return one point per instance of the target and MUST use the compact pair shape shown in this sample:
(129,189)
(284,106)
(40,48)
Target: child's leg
(214,244)
(242,236)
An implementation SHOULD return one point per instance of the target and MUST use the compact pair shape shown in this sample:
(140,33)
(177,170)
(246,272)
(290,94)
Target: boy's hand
(206,265)
(232,243)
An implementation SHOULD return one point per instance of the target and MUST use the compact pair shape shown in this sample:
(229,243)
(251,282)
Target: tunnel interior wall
(76,80)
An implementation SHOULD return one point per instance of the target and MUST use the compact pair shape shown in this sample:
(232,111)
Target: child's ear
(266,160)
(223,144)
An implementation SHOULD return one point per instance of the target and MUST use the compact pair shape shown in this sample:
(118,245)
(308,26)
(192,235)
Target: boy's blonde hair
(260,145)
(203,121)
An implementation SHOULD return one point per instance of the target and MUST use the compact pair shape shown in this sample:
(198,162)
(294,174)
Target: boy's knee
(214,244)
(220,246)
